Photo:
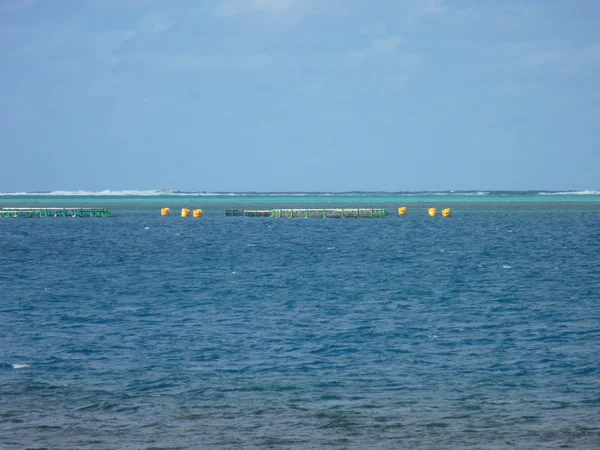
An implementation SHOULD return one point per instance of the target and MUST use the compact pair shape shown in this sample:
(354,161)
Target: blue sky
(299,95)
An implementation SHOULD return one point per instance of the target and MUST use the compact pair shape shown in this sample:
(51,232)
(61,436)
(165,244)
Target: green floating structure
(54,212)
(309,213)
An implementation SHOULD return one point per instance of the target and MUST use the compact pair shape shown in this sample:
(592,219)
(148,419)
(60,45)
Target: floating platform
(54,212)
(309,213)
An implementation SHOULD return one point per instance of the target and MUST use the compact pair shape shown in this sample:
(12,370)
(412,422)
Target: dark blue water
(142,332)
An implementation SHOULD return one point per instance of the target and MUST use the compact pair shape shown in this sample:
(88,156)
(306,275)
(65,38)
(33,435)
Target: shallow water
(138,331)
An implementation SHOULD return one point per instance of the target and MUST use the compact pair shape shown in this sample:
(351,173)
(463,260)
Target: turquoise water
(217,203)
(144,332)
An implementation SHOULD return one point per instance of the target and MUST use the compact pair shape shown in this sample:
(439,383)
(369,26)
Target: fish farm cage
(309,213)
(54,212)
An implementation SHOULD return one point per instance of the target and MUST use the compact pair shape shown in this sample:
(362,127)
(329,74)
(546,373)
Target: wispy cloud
(382,47)
(156,22)
(388,59)
(17,5)
(592,53)
(565,61)
(374,29)
(390,52)
(233,8)
(543,59)
(118,5)
(190,62)
(498,15)
(415,10)
(428,7)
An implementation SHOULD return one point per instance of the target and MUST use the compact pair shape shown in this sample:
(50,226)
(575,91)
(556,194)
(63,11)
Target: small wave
(586,192)
(460,193)
(110,193)
(106,192)
(157,193)
(20,366)
(177,193)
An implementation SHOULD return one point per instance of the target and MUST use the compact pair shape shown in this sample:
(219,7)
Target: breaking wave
(111,193)
(586,192)
(177,193)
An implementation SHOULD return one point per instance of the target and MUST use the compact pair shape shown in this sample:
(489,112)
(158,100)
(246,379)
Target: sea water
(146,332)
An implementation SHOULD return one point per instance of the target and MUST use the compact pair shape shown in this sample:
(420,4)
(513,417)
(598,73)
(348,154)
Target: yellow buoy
(446,212)
(402,211)
(185,212)
(165,212)
(432,212)
(197,213)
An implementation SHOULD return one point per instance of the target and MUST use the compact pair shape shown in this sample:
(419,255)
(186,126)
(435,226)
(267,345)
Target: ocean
(136,331)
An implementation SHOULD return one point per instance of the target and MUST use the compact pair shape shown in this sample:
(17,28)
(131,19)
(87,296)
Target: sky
(299,95)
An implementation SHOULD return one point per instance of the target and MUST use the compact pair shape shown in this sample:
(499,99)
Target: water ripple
(140,332)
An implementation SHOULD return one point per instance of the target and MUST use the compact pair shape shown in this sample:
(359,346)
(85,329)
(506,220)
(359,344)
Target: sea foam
(20,366)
